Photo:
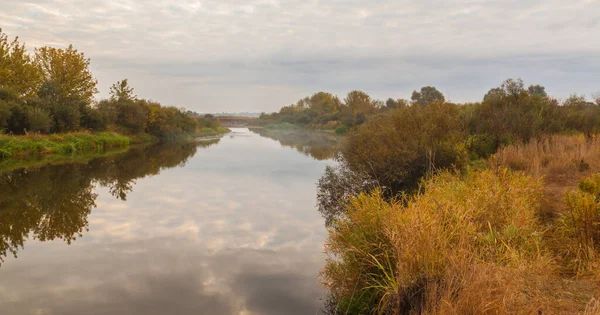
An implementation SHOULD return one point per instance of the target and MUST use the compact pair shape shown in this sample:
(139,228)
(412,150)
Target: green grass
(204,132)
(36,145)
(282,126)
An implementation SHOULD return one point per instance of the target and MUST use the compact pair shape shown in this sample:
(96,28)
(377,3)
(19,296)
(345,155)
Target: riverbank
(37,145)
(17,151)
(520,235)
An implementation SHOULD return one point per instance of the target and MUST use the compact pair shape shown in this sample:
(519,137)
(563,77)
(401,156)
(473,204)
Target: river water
(224,226)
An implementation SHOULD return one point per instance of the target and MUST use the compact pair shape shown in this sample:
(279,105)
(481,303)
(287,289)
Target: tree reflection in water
(53,202)
(320,145)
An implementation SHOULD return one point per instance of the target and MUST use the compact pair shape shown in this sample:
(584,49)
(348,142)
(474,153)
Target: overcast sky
(257,55)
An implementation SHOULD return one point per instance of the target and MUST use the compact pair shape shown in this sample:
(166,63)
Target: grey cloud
(195,53)
(122,279)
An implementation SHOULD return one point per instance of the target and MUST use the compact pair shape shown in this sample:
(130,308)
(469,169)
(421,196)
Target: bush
(93,119)
(39,120)
(341,130)
(396,150)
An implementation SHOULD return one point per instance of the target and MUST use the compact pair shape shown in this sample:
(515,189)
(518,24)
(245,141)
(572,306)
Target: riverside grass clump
(579,226)
(468,244)
(552,156)
(36,145)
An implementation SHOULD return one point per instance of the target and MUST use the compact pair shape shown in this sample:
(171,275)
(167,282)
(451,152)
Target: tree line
(324,110)
(400,143)
(52,91)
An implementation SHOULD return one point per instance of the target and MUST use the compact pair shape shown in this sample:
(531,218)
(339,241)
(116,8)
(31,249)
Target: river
(225,226)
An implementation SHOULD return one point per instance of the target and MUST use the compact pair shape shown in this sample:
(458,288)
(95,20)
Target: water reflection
(319,145)
(53,202)
(232,230)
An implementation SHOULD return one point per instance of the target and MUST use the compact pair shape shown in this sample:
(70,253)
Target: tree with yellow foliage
(69,70)
(17,69)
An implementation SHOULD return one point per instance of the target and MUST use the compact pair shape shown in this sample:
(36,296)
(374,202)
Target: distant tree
(537,90)
(427,95)
(120,91)
(17,69)
(581,115)
(390,103)
(69,70)
(323,102)
(494,93)
(575,100)
(360,102)
(513,87)
(509,113)
(596,98)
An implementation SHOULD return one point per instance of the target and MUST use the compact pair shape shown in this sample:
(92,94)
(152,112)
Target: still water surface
(226,226)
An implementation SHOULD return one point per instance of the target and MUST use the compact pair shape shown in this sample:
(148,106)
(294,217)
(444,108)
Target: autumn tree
(17,69)
(324,102)
(360,102)
(69,70)
(121,91)
(428,94)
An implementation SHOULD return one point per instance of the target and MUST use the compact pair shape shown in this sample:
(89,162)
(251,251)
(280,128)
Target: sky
(259,55)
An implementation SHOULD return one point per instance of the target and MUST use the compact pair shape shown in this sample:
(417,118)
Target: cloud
(259,55)
(153,277)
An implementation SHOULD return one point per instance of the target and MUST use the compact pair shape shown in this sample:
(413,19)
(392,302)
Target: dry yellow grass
(467,245)
(557,157)
(562,160)
(480,243)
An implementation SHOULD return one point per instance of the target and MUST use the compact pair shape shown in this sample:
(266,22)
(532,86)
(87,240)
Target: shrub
(396,150)
(39,120)
(341,130)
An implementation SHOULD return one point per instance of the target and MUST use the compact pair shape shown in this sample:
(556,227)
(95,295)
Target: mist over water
(227,226)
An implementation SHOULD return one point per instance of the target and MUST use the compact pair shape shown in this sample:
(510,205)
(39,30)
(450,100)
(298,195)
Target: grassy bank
(205,131)
(36,145)
(521,236)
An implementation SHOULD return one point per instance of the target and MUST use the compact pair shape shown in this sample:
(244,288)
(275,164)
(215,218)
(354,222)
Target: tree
(396,150)
(427,95)
(360,102)
(510,113)
(17,69)
(120,91)
(537,90)
(390,103)
(69,70)
(323,102)
(66,112)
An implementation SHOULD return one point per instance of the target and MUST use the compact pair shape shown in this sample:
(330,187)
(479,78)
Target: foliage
(69,70)
(427,95)
(511,114)
(121,91)
(425,256)
(39,120)
(341,130)
(337,187)
(397,149)
(17,69)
